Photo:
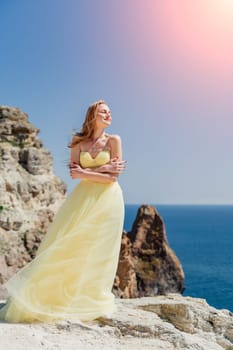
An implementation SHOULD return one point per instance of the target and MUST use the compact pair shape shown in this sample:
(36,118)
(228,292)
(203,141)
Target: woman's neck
(99,133)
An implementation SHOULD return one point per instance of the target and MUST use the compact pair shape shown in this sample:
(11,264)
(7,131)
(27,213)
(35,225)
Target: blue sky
(165,69)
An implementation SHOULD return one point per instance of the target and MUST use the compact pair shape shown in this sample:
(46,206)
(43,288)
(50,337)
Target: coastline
(201,237)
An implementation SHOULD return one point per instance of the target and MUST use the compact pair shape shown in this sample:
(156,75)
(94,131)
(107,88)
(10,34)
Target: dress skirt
(73,272)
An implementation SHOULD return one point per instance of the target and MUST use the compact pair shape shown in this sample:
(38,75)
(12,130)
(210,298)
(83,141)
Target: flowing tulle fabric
(73,272)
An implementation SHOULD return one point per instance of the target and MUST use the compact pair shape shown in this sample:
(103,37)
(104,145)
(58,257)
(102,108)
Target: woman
(72,274)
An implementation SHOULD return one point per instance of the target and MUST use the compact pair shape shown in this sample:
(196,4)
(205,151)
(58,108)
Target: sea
(202,238)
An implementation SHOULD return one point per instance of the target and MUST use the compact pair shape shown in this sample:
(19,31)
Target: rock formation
(30,192)
(169,322)
(147,265)
(125,284)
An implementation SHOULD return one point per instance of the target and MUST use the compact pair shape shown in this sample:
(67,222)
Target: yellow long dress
(72,275)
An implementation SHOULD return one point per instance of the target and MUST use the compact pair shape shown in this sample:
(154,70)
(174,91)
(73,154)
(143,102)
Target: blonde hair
(87,129)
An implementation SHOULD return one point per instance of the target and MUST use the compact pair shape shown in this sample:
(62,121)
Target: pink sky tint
(192,41)
(181,46)
(201,32)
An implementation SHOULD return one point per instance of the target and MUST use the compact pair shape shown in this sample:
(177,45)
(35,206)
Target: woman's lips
(108,118)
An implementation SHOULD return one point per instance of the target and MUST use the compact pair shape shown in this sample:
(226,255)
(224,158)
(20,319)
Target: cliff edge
(30,192)
(170,322)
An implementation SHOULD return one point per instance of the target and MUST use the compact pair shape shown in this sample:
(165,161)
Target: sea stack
(147,264)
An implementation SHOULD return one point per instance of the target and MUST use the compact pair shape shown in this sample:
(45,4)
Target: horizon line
(197,204)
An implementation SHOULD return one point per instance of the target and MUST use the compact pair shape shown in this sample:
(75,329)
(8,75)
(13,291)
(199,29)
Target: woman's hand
(115,166)
(75,170)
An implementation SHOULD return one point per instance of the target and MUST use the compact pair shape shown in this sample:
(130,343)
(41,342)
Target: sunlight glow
(201,32)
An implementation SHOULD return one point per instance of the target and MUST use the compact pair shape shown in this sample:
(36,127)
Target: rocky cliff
(30,192)
(170,322)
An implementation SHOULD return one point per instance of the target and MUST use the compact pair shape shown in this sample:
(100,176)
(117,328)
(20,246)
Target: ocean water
(202,238)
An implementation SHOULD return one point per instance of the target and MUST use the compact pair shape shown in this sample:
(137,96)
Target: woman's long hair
(87,130)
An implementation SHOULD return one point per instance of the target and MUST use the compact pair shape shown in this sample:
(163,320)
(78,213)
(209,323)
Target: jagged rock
(125,284)
(32,240)
(30,192)
(146,260)
(169,322)
(184,322)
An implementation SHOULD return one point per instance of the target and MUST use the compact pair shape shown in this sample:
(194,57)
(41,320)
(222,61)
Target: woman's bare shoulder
(114,137)
(74,139)
(82,145)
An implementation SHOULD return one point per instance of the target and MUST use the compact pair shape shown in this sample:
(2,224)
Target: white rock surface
(169,322)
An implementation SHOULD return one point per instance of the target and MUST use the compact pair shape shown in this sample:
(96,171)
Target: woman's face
(103,116)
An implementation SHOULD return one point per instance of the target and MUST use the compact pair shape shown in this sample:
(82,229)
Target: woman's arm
(75,154)
(77,172)
(116,147)
(116,165)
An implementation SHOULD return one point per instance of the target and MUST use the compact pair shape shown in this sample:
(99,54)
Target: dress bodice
(87,161)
